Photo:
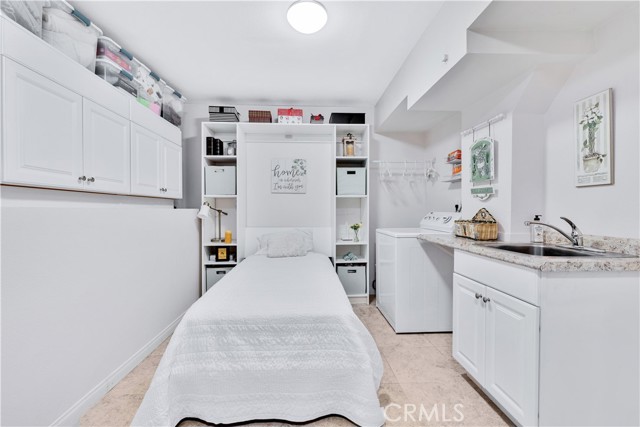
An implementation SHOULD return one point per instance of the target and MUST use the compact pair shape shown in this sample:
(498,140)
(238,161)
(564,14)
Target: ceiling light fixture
(307,16)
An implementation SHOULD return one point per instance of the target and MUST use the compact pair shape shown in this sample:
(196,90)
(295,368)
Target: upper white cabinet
(171,162)
(145,162)
(107,150)
(64,127)
(42,132)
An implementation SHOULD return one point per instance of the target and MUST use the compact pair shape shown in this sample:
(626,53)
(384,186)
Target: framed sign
(482,160)
(289,176)
(594,159)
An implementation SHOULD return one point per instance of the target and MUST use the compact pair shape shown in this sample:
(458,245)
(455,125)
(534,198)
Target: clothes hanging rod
(483,124)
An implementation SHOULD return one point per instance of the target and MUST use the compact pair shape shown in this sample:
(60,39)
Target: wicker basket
(481,227)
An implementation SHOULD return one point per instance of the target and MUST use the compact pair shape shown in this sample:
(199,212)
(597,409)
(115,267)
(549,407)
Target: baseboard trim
(71,417)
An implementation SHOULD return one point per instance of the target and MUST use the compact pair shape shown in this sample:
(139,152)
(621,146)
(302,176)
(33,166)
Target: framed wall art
(593,140)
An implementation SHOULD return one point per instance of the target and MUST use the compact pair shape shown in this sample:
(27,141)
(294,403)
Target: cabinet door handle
(92,179)
(82,178)
(478,296)
(485,299)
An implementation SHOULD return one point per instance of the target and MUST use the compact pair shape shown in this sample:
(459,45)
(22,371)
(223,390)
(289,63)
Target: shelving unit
(350,209)
(227,132)
(347,209)
(452,178)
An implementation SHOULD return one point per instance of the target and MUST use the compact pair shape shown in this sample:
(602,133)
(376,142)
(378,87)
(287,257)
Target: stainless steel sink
(552,250)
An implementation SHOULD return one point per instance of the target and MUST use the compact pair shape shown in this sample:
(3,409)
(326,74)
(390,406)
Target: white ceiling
(245,52)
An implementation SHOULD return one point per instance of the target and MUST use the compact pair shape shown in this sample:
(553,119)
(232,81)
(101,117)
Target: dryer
(414,278)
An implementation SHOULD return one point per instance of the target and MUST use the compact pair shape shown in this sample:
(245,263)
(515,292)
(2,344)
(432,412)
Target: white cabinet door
(145,162)
(171,170)
(42,132)
(469,325)
(107,150)
(512,337)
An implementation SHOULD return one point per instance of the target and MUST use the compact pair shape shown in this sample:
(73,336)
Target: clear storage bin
(26,13)
(69,31)
(109,49)
(173,106)
(118,77)
(150,94)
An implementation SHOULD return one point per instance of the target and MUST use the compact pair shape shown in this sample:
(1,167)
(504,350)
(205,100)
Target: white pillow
(286,245)
(265,239)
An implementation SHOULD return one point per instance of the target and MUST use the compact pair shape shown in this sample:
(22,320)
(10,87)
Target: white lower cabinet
(496,339)
(107,150)
(42,132)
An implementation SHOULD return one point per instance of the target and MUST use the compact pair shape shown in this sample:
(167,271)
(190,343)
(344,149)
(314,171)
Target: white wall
(611,210)
(90,285)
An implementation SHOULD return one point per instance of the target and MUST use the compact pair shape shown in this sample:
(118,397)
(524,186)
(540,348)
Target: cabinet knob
(92,179)
(82,178)
(478,296)
(485,299)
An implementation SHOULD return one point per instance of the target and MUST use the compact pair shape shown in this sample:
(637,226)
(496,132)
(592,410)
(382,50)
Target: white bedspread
(274,339)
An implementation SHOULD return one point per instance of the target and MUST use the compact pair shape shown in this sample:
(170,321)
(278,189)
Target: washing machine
(414,278)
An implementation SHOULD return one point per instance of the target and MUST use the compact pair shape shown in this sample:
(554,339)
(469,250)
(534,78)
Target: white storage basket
(26,13)
(69,31)
(220,180)
(353,279)
(351,181)
(215,274)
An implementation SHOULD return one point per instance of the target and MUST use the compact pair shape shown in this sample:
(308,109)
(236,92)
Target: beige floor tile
(112,411)
(388,377)
(440,340)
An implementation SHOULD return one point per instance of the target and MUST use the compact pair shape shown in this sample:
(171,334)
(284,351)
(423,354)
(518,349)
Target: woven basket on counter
(482,226)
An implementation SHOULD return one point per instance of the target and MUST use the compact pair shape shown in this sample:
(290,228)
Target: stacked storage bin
(173,106)
(117,76)
(68,30)
(108,49)
(26,13)
(151,87)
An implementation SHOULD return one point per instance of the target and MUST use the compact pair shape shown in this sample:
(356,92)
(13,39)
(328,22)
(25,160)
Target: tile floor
(418,372)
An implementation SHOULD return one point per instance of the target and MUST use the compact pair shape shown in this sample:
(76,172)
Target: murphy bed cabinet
(66,128)
(346,208)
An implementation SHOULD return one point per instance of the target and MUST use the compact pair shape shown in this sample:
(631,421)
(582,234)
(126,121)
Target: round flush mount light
(307,16)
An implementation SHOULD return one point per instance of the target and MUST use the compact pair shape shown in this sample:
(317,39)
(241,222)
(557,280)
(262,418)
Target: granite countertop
(550,264)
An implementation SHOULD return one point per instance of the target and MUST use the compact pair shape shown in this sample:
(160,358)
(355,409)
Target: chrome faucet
(576,235)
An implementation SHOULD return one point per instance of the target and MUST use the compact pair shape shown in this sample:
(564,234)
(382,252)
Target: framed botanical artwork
(482,160)
(594,140)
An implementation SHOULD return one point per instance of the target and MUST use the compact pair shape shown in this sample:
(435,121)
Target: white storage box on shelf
(173,106)
(115,75)
(215,274)
(351,181)
(26,13)
(220,180)
(111,50)
(69,31)
(150,94)
(353,279)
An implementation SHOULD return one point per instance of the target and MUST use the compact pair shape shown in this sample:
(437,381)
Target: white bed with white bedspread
(275,339)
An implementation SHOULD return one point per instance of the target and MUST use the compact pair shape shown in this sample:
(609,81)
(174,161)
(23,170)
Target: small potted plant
(356,227)
(590,122)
